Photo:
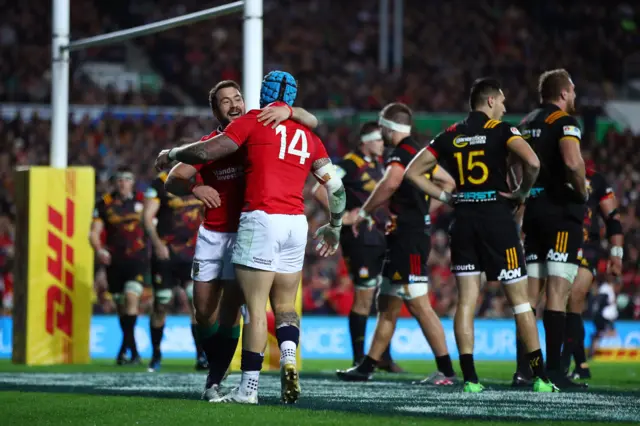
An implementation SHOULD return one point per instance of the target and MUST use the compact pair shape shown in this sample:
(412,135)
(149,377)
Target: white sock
(288,352)
(249,382)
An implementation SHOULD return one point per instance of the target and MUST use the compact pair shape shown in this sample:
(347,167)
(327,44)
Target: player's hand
(329,239)
(615,266)
(349,218)
(163,160)
(104,257)
(162,252)
(516,196)
(361,217)
(275,115)
(208,195)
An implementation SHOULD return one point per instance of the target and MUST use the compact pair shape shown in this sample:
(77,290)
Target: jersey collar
(365,157)
(549,106)
(478,117)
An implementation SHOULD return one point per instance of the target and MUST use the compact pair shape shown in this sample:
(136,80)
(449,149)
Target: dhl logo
(59,305)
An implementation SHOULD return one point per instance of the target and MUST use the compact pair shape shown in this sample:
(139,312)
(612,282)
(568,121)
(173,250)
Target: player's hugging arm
(422,164)
(181,179)
(304,117)
(201,152)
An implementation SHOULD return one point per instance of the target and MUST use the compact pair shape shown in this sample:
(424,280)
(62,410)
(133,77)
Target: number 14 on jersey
(299,138)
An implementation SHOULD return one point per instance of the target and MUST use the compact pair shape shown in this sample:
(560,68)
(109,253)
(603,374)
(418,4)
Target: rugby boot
(565,383)
(201,363)
(520,380)
(290,384)
(237,396)
(211,390)
(154,364)
(135,360)
(436,378)
(121,359)
(580,373)
(353,375)
(470,387)
(540,385)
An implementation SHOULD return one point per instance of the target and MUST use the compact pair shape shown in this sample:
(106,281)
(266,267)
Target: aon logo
(554,256)
(506,275)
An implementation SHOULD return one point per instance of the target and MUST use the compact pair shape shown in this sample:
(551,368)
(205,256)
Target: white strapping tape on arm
(522,308)
(329,177)
(402,128)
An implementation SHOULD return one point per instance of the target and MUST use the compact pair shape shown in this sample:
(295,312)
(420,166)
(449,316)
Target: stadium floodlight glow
(61,46)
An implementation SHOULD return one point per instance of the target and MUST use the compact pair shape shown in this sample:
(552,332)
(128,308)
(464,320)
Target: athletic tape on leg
(133,287)
(245,314)
(189,291)
(369,284)
(568,271)
(163,296)
(537,270)
(522,308)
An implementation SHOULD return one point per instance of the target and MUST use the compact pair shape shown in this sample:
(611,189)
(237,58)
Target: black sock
(444,365)
(251,361)
(357,329)
(468,368)
(554,325)
(123,346)
(522,360)
(579,354)
(368,365)
(156,339)
(130,326)
(225,342)
(196,340)
(572,334)
(206,337)
(536,362)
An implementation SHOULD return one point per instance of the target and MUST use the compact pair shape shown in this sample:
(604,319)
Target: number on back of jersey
(299,138)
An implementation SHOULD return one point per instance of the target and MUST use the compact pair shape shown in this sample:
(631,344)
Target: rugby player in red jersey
(221,189)
(272,234)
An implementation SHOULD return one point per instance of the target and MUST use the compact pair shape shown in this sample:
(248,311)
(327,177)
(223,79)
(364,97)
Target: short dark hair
(368,127)
(552,83)
(481,89)
(398,113)
(213,93)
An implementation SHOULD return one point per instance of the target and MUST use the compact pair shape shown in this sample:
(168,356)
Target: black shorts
(590,256)
(166,274)
(364,261)
(121,271)
(602,324)
(550,235)
(488,243)
(407,255)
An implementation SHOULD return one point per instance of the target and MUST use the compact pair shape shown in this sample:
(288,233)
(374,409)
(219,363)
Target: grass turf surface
(103,394)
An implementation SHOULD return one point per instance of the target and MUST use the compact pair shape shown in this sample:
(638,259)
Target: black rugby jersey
(599,190)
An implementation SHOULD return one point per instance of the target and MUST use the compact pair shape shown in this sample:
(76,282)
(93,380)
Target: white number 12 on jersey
(300,136)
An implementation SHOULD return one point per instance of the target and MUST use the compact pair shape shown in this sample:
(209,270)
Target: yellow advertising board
(272,352)
(54,272)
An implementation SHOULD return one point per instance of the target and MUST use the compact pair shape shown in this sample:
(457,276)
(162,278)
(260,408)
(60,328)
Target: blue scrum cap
(278,86)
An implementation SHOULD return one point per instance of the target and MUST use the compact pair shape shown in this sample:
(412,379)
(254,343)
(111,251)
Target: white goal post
(61,46)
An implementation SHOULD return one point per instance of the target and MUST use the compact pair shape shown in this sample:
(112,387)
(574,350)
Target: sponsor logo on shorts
(262,261)
(195,269)
(509,274)
(418,279)
(364,272)
(462,268)
(554,256)
(396,276)
(532,258)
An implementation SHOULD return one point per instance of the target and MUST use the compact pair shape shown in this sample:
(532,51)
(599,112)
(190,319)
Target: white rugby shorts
(271,242)
(212,260)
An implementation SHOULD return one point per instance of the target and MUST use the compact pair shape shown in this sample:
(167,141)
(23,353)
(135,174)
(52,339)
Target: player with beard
(484,234)
(360,170)
(408,243)
(272,234)
(173,239)
(553,214)
(217,297)
(125,255)
(602,201)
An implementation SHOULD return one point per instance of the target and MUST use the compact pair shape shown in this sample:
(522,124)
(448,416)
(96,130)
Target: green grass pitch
(103,394)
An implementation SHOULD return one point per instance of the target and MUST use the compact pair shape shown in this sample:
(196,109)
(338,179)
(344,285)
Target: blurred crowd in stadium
(334,56)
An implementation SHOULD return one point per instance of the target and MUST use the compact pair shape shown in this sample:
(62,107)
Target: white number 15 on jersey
(299,137)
